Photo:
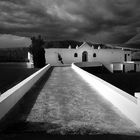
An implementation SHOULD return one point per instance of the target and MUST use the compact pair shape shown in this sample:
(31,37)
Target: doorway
(84,56)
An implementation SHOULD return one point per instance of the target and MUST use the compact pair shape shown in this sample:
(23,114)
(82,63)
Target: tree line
(14,54)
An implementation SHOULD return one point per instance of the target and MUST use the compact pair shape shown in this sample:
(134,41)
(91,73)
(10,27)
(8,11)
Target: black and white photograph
(70,69)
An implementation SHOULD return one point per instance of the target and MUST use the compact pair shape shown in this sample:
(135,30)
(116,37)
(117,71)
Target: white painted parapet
(137,95)
(13,95)
(127,104)
(137,64)
(108,66)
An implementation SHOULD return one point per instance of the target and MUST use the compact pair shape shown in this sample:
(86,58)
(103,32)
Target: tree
(38,52)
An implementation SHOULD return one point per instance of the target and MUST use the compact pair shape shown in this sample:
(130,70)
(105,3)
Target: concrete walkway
(68,105)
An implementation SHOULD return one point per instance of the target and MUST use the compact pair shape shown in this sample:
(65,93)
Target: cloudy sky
(106,21)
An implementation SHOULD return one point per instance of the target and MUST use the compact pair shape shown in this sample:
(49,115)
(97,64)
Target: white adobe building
(86,53)
(112,59)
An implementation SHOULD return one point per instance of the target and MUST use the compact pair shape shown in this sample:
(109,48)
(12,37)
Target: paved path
(68,105)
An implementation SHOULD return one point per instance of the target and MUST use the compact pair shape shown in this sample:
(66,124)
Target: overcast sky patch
(106,21)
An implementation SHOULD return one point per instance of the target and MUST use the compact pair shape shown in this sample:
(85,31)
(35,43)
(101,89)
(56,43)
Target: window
(125,57)
(75,55)
(94,55)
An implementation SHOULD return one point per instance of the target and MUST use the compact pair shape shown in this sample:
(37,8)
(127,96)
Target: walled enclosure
(105,56)
(13,95)
(127,104)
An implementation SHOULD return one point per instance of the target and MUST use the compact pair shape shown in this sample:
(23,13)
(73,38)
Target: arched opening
(94,55)
(84,56)
(75,55)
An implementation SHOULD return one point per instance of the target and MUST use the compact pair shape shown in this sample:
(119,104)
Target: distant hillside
(135,46)
(134,42)
(14,54)
(67,43)
(13,41)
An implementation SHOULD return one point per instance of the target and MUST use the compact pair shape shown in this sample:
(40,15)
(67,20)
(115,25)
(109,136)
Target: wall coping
(127,104)
(19,85)
(121,92)
(12,96)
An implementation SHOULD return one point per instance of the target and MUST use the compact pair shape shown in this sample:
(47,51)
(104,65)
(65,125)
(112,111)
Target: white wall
(102,55)
(129,66)
(136,55)
(110,55)
(129,55)
(30,57)
(13,95)
(127,104)
(137,66)
(109,66)
(117,67)
(67,55)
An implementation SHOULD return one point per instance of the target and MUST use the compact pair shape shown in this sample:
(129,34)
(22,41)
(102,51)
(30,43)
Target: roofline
(84,43)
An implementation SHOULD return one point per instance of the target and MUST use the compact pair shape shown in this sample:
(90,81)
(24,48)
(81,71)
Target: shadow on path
(24,106)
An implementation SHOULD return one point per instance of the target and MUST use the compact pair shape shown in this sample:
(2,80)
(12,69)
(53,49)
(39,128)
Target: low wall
(108,66)
(127,104)
(13,95)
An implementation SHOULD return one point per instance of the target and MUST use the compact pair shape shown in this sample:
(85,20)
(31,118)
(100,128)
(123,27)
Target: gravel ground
(68,105)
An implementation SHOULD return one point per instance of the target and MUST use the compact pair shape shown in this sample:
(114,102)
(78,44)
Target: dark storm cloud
(92,20)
